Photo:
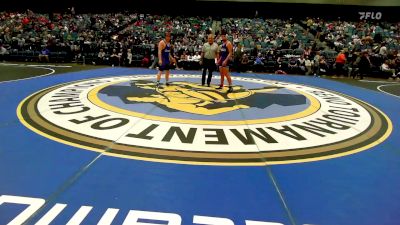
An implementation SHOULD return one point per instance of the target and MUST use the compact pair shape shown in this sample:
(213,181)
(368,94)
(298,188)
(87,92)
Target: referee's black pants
(208,64)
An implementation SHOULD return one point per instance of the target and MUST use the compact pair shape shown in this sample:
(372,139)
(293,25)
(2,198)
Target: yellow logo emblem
(193,98)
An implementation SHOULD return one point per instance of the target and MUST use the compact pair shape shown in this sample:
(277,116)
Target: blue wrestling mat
(109,146)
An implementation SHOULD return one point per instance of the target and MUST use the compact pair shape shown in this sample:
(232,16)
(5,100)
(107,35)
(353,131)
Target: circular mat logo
(262,122)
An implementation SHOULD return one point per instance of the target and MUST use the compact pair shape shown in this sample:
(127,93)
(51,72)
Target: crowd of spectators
(311,46)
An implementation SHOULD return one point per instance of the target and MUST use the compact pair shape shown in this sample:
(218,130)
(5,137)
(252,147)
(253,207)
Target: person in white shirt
(308,64)
(301,64)
(385,68)
(196,57)
(129,57)
(383,50)
(190,57)
(317,58)
(101,57)
(208,57)
(114,58)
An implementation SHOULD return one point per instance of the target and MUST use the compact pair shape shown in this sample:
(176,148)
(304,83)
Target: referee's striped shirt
(210,51)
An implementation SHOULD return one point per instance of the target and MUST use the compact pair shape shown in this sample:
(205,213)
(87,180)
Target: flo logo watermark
(370,15)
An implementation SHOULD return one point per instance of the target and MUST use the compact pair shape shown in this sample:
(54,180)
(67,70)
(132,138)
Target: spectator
(285,44)
(301,64)
(85,34)
(44,55)
(280,72)
(351,58)
(190,57)
(308,64)
(244,63)
(182,63)
(101,56)
(238,54)
(114,58)
(317,59)
(387,70)
(196,57)
(383,51)
(397,65)
(259,63)
(129,57)
(3,52)
(323,65)
(340,62)
(154,57)
(279,63)
(259,60)
(295,44)
(307,52)
(293,66)
(146,59)
(364,65)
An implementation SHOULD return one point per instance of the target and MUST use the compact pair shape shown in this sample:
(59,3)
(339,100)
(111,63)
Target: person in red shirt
(25,21)
(340,62)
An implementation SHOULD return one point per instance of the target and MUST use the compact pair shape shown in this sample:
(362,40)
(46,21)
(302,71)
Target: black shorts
(209,64)
(164,67)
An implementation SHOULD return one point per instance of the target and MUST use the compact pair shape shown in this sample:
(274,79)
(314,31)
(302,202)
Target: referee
(208,56)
